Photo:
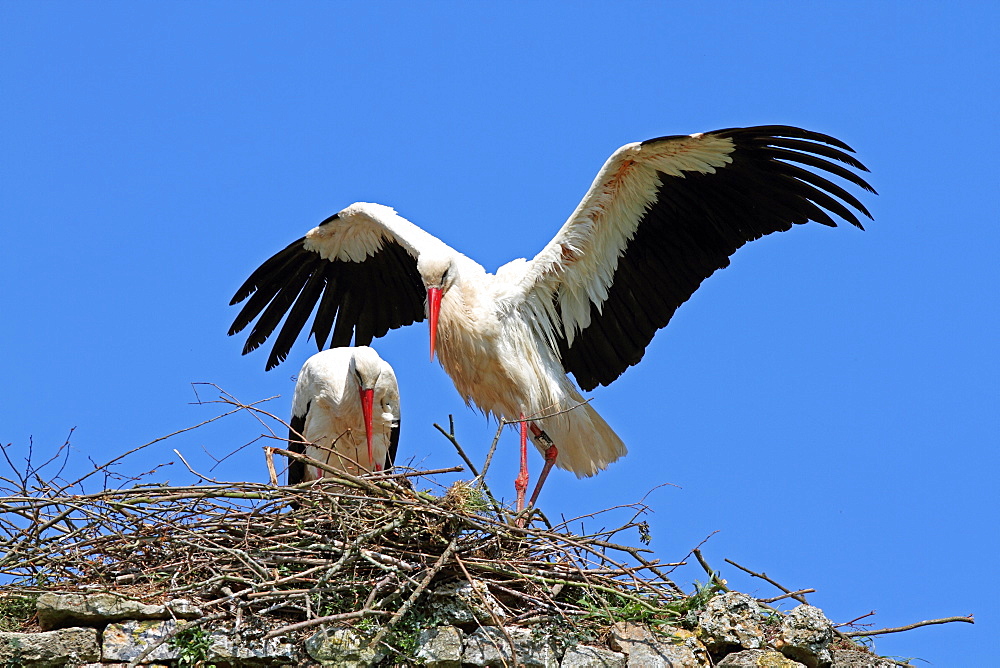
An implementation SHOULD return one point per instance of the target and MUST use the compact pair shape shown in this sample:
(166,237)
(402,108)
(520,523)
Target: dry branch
(797,595)
(969,619)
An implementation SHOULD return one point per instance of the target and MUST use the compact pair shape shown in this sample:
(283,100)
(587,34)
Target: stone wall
(731,631)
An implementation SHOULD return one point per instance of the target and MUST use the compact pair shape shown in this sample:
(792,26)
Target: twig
(333,474)
(450,435)
(763,576)
(544,416)
(909,627)
(414,474)
(120,457)
(713,575)
(272,474)
(855,620)
(790,594)
(316,621)
(493,449)
(195,473)
(696,547)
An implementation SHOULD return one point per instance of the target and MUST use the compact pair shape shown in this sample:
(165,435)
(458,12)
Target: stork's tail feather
(586,443)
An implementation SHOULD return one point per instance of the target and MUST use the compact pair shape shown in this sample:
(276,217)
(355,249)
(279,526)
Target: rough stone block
(466,603)
(805,636)
(440,647)
(341,646)
(757,658)
(646,649)
(127,640)
(489,646)
(731,620)
(240,650)
(588,656)
(50,649)
(119,665)
(62,610)
(848,658)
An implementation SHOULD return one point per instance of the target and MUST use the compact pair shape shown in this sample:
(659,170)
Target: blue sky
(828,404)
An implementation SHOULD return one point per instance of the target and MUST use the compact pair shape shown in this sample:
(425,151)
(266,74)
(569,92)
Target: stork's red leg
(551,452)
(521,482)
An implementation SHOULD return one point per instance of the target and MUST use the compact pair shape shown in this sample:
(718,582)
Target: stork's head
(373,377)
(438,274)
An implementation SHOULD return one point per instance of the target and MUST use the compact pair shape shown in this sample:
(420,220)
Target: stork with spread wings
(660,217)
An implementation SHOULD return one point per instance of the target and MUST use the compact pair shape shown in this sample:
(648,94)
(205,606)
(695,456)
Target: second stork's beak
(433,307)
(367,401)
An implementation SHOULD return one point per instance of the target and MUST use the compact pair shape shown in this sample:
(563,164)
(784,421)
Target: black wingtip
(274,359)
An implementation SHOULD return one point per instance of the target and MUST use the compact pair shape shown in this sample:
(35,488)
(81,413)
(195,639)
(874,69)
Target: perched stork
(345,413)
(660,217)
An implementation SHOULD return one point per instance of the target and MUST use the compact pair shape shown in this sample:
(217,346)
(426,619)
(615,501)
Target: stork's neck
(473,290)
(468,317)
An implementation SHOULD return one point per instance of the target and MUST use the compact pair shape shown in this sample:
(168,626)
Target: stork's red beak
(433,307)
(367,400)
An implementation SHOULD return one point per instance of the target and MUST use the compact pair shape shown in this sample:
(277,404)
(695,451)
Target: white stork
(660,217)
(345,413)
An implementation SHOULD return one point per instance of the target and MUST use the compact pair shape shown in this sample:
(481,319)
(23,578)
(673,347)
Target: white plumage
(661,216)
(488,342)
(330,416)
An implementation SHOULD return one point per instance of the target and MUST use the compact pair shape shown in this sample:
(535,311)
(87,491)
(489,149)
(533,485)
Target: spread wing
(357,271)
(662,216)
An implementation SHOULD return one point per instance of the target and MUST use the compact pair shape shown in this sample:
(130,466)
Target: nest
(367,552)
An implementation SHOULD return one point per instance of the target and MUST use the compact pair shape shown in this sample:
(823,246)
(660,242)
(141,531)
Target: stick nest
(364,551)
